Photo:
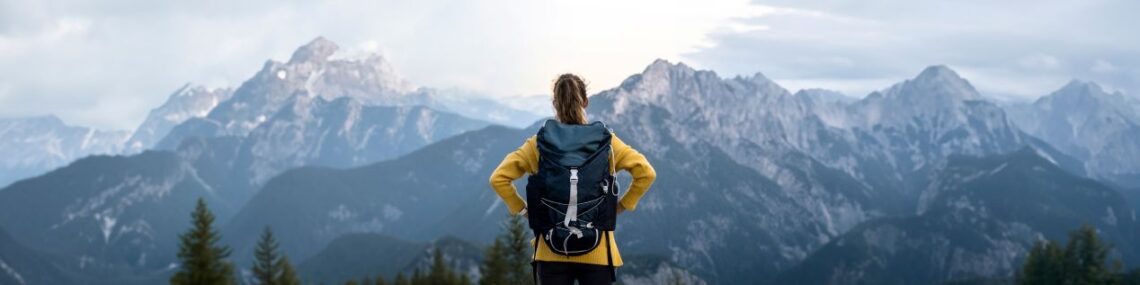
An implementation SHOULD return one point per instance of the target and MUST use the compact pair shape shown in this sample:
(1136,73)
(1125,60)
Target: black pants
(565,273)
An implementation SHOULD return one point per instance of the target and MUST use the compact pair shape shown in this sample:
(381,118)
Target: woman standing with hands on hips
(572,199)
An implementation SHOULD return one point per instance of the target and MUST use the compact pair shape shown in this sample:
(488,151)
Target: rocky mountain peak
(320,49)
(1077,92)
(939,80)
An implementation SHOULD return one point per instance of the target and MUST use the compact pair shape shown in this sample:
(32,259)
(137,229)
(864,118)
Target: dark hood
(572,145)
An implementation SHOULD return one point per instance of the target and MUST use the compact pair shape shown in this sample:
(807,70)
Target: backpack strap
(534,257)
(610,258)
(613,164)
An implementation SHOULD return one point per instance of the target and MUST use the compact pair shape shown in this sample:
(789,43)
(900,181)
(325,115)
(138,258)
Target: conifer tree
(288,274)
(418,278)
(518,251)
(507,260)
(493,271)
(439,273)
(265,268)
(270,267)
(1082,261)
(1086,255)
(202,260)
(1045,265)
(400,279)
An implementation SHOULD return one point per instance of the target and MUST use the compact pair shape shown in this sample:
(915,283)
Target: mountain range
(924,181)
(1091,124)
(977,219)
(34,145)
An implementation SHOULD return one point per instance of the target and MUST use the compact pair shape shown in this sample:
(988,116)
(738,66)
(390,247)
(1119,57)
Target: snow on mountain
(30,146)
(1089,123)
(185,103)
(312,70)
(341,133)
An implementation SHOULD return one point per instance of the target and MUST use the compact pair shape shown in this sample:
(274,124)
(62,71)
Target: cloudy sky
(106,63)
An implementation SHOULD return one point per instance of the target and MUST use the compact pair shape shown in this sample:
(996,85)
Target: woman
(557,142)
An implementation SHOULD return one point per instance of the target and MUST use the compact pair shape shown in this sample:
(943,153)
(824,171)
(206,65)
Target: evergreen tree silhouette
(203,261)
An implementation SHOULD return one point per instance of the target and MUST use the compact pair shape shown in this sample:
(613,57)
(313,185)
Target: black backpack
(573,197)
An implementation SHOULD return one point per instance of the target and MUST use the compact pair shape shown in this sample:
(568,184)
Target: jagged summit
(318,49)
(661,67)
(938,83)
(1087,94)
(1082,88)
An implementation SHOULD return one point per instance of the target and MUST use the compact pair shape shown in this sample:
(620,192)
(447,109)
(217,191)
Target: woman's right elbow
(492,181)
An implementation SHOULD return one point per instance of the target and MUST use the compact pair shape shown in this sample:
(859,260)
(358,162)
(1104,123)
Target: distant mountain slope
(509,111)
(185,103)
(978,219)
(1087,122)
(21,265)
(115,216)
(34,145)
(407,197)
(341,133)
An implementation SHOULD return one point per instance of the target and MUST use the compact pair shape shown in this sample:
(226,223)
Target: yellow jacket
(525,161)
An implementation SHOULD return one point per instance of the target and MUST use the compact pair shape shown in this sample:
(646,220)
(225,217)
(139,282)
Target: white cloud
(1019,49)
(1102,66)
(1040,61)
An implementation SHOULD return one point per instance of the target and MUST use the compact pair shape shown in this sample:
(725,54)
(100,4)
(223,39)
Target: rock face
(31,146)
(311,72)
(1090,124)
(22,265)
(109,217)
(185,103)
(978,219)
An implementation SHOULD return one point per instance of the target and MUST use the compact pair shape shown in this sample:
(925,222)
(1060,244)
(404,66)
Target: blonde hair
(570,99)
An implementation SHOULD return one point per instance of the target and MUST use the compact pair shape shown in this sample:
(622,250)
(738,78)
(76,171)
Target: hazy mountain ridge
(980,218)
(110,217)
(316,70)
(1089,123)
(21,265)
(30,146)
(187,102)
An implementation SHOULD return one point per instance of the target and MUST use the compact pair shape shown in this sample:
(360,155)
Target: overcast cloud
(106,63)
